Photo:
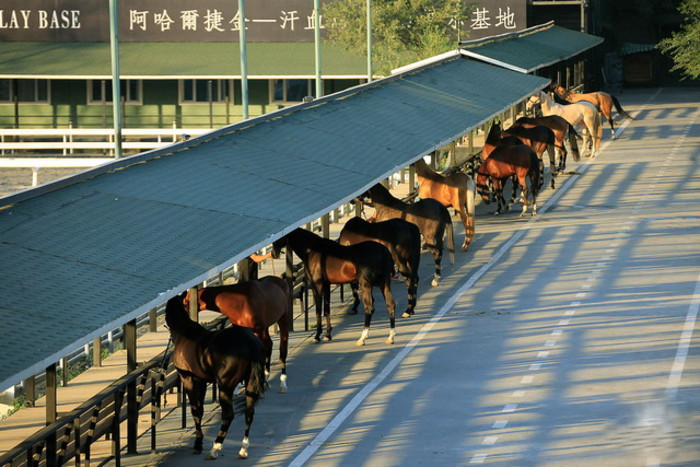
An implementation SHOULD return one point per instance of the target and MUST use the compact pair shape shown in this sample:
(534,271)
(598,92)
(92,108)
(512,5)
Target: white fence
(56,142)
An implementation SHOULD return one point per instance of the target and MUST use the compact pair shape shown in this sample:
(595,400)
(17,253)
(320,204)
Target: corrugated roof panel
(531,49)
(85,255)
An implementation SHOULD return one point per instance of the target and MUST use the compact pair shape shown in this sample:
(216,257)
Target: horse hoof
(317,339)
(406,314)
(434,283)
(360,343)
(196,451)
(465,247)
(389,341)
(243,453)
(327,338)
(352,312)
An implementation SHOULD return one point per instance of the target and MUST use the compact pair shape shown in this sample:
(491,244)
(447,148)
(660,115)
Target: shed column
(51,413)
(132,409)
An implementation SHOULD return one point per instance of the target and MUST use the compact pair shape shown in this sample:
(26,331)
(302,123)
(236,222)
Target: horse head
(495,132)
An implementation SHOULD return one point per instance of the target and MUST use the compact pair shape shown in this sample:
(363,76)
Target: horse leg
(267,347)
(225,399)
(437,258)
(412,286)
(356,298)
(391,310)
(195,390)
(327,308)
(523,188)
(368,302)
(284,346)
(317,290)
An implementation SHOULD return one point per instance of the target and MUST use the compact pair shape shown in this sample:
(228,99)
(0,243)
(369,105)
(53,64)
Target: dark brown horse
(328,262)
(456,190)
(603,101)
(226,357)
(503,163)
(257,305)
(432,218)
(561,128)
(401,238)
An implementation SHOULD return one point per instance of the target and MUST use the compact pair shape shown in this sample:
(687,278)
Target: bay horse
(226,357)
(583,113)
(455,189)
(602,101)
(506,162)
(561,128)
(401,238)
(328,262)
(255,304)
(432,218)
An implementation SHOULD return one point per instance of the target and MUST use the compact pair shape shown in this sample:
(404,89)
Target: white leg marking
(243,453)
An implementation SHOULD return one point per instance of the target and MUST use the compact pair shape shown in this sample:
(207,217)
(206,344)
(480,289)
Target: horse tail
(536,175)
(449,231)
(619,108)
(257,384)
(575,153)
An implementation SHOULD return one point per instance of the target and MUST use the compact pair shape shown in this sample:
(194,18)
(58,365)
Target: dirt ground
(16,179)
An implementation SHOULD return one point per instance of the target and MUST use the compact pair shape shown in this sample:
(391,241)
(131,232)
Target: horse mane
(380,194)
(179,322)
(319,243)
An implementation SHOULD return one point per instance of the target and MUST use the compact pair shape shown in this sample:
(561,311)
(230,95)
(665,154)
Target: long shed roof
(531,49)
(86,254)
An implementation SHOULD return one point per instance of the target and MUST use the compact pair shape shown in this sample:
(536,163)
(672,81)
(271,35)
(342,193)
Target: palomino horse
(560,127)
(328,262)
(602,101)
(456,190)
(432,218)
(401,238)
(505,162)
(257,305)
(583,113)
(226,357)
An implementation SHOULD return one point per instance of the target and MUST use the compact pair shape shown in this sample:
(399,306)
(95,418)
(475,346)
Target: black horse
(432,218)
(328,262)
(227,357)
(401,238)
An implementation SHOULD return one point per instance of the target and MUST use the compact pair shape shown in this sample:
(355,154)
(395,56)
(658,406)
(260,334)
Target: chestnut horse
(456,190)
(257,305)
(227,357)
(328,262)
(432,218)
(505,162)
(561,128)
(603,101)
(401,238)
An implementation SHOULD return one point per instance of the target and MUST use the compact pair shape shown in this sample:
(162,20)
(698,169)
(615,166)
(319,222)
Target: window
(194,91)
(26,90)
(100,91)
(291,91)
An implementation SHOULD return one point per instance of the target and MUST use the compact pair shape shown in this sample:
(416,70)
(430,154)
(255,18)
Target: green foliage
(684,45)
(403,31)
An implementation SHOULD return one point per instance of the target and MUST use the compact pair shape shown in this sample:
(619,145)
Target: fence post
(51,413)
(132,410)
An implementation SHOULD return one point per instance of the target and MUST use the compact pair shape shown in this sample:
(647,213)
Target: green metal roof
(157,60)
(86,254)
(531,49)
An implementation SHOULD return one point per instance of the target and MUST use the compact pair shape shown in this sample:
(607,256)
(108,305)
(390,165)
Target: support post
(51,413)
(132,409)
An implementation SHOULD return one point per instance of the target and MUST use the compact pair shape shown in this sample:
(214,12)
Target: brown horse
(227,356)
(456,190)
(401,238)
(561,128)
(432,218)
(328,262)
(603,101)
(503,163)
(257,305)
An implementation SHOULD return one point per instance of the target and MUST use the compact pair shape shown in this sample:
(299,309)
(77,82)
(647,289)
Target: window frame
(225,88)
(310,85)
(128,100)
(36,92)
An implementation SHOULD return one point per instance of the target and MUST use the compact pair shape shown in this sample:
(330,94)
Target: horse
(583,113)
(505,162)
(456,190)
(401,238)
(256,304)
(227,357)
(602,101)
(328,262)
(561,128)
(432,218)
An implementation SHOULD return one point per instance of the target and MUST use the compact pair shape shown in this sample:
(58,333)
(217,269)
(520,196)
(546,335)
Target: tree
(403,31)
(684,45)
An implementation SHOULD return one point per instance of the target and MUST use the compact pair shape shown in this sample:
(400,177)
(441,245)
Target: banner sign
(205,20)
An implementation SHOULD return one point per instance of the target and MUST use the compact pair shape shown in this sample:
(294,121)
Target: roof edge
(507,36)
